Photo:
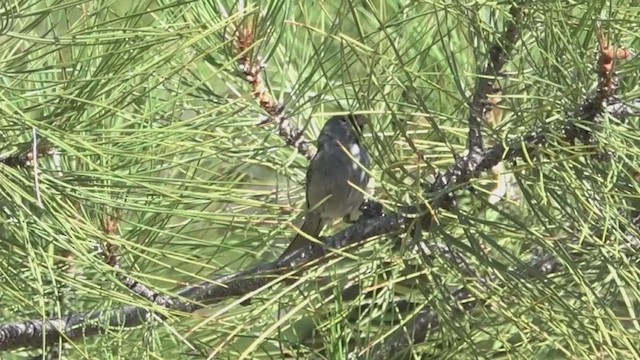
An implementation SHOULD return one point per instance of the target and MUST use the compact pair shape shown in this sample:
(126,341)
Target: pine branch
(252,70)
(75,326)
(426,320)
(32,333)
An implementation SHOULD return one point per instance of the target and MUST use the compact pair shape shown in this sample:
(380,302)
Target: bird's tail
(311,227)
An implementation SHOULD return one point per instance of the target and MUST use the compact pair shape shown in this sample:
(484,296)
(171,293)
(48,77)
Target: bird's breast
(337,182)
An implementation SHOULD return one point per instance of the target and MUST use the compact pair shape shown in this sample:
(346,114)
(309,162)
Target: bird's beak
(358,121)
(361,120)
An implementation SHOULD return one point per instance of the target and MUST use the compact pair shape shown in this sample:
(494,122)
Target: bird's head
(345,129)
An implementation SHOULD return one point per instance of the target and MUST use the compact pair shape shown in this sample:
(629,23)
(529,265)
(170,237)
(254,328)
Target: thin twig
(28,154)
(110,255)
(595,106)
(481,106)
(252,70)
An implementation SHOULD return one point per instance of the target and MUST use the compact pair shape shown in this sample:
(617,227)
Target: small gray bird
(333,178)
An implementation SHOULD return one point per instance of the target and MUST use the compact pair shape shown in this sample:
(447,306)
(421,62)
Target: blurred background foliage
(151,143)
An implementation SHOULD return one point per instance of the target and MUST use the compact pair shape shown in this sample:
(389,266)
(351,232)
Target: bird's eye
(343,119)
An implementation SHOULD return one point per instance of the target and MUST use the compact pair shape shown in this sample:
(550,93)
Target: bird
(335,182)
